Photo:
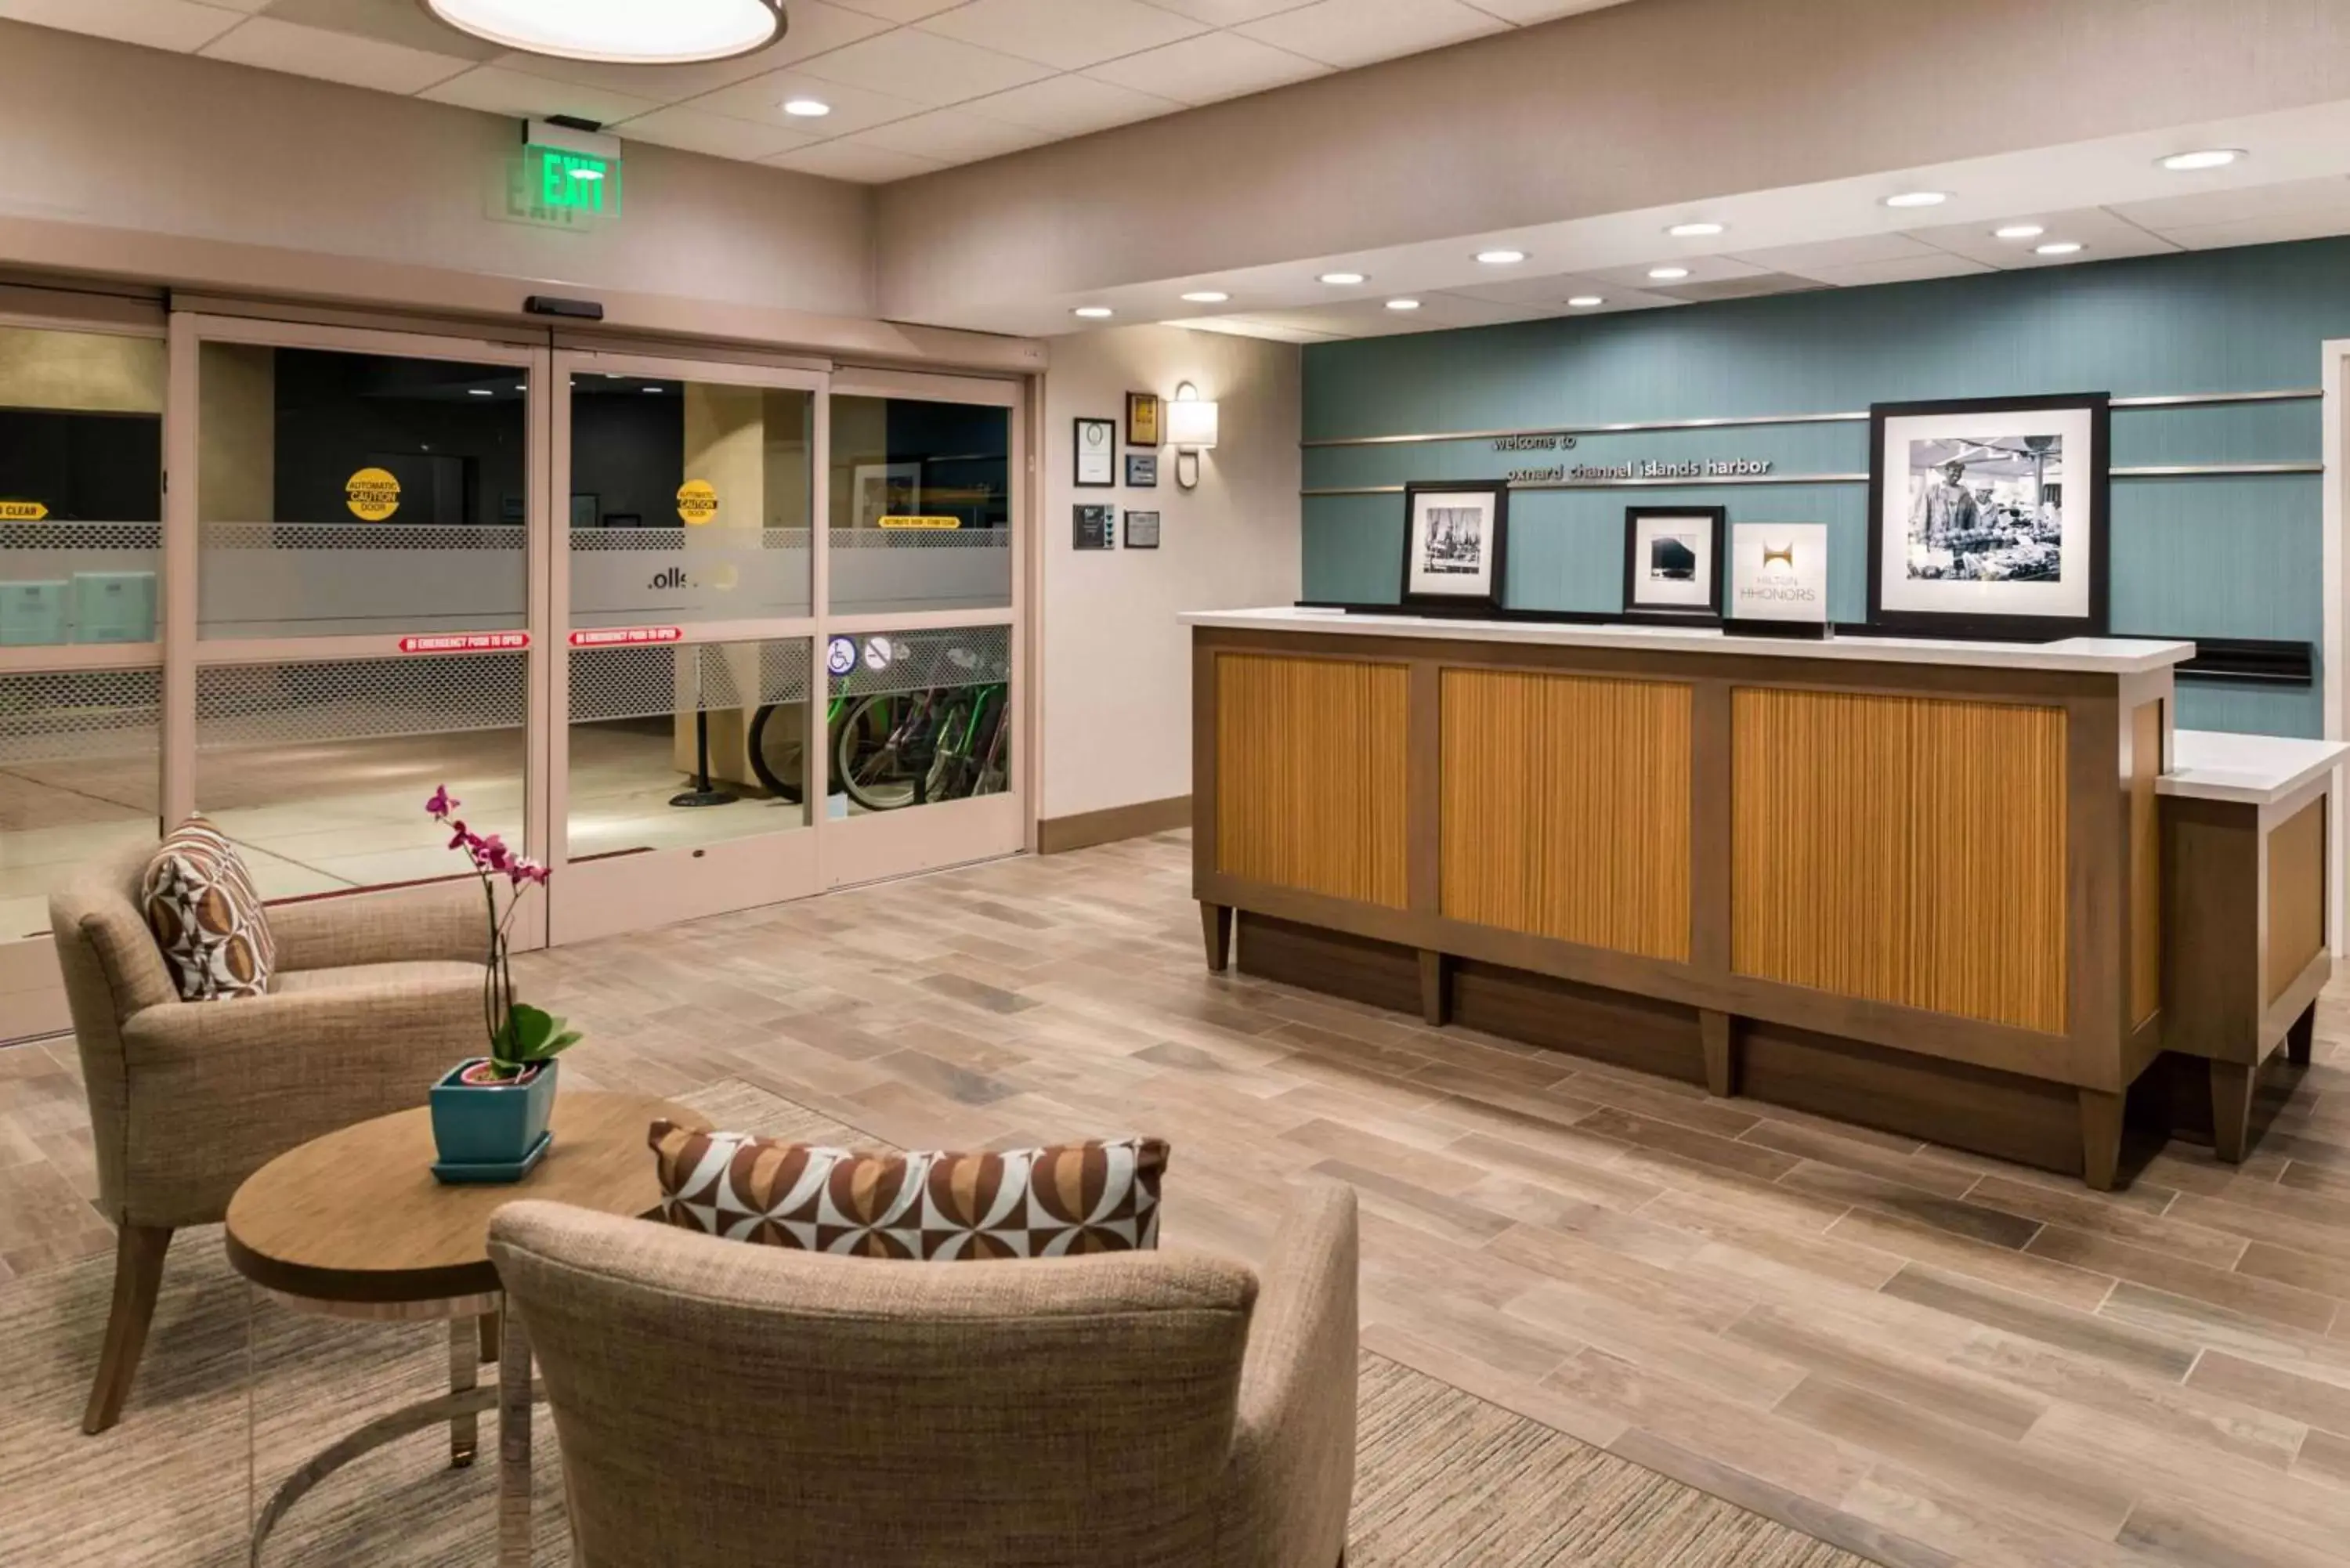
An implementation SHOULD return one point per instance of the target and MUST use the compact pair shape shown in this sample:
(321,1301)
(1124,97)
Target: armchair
(375,997)
(722,1402)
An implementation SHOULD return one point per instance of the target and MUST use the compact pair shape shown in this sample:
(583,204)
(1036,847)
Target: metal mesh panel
(81,536)
(53,715)
(358,536)
(642,682)
(918,661)
(922,538)
(340,700)
(659,539)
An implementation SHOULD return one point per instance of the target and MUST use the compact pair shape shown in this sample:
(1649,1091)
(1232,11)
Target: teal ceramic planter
(478,1126)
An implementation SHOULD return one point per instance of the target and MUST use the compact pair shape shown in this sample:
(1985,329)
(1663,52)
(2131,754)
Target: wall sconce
(1191,430)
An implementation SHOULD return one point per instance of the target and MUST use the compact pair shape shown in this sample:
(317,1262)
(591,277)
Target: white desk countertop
(2249,770)
(2086,655)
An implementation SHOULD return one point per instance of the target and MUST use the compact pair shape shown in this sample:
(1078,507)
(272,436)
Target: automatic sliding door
(920,625)
(684,606)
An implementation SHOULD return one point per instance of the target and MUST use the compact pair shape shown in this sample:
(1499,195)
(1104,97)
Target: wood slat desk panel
(1566,808)
(2296,899)
(1904,880)
(1310,775)
(1902,849)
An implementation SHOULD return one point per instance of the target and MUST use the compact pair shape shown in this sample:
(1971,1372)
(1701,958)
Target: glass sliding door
(355,524)
(83,390)
(683,597)
(923,607)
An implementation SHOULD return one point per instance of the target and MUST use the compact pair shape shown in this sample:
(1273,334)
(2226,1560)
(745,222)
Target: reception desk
(1906,883)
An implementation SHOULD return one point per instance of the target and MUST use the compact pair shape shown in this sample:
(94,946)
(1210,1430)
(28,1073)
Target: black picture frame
(1078,453)
(1141,469)
(1092,527)
(1496,579)
(2096,474)
(1141,530)
(1716,520)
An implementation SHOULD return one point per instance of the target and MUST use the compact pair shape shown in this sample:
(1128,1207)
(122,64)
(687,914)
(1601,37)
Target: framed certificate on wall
(1096,454)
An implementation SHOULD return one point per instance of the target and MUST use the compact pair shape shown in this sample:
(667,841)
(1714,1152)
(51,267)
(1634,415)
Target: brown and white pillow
(1062,1201)
(206,915)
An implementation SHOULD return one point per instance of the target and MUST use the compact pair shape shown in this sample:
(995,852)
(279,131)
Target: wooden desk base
(2031,1121)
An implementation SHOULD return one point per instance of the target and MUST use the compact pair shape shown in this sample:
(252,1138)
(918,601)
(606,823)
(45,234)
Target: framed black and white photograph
(1986,517)
(1672,562)
(1455,537)
(1142,530)
(1143,470)
(1096,452)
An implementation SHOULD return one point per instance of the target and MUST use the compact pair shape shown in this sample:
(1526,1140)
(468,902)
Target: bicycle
(892,750)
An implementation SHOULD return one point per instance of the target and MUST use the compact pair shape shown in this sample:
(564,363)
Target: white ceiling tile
(1069,34)
(158,24)
(1553,288)
(1071,105)
(1526,11)
(2273,229)
(762,99)
(951,136)
(2235,203)
(900,10)
(1701,270)
(815,28)
(1907,269)
(1252,326)
(849,160)
(249,7)
(495,91)
(923,66)
(1209,68)
(2101,236)
(1227,13)
(277,45)
(1860,250)
(392,21)
(1358,32)
(692,131)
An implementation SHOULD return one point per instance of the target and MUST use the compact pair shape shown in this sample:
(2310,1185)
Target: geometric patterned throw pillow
(1063,1202)
(206,917)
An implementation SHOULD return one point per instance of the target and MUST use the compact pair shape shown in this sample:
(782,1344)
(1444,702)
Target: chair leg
(138,1277)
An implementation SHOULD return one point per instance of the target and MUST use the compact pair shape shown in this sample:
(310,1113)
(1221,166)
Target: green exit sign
(561,188)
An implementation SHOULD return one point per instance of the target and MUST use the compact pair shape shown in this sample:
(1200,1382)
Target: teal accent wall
(2227,556)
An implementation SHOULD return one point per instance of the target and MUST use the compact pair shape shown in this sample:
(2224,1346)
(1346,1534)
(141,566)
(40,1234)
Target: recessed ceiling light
(1501,258)
(1586,301)
(1918,199)
(1206,297)
(2209,157)
(480,392)
(2057,248)
(1669,273)
(2018,231)
(519,387)
(1403,305)
(806,107)
(1695,230)
(675,32)
(1094,312)
(655,391)
(1343,278)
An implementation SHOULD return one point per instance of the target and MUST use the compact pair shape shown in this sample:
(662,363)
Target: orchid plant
(521,1036)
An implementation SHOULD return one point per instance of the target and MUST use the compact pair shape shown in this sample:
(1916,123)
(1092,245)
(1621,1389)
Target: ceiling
(914,85)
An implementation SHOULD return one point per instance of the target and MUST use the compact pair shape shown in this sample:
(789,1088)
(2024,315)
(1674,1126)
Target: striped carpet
(1443,1480)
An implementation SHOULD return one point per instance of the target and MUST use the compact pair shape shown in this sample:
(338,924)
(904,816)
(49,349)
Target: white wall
(1116,711)
(153,144)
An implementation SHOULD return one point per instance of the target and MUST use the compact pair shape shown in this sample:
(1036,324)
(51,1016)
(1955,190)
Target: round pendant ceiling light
(619,32)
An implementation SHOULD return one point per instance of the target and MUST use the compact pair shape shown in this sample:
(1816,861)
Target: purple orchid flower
(440,805)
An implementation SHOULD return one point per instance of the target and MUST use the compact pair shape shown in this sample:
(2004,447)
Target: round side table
(353,1225)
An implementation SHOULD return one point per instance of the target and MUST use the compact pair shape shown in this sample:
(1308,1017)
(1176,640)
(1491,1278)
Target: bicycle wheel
(871,757)
(779,750)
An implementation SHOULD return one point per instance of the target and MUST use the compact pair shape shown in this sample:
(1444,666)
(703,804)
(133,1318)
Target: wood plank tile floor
(1922,1356)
